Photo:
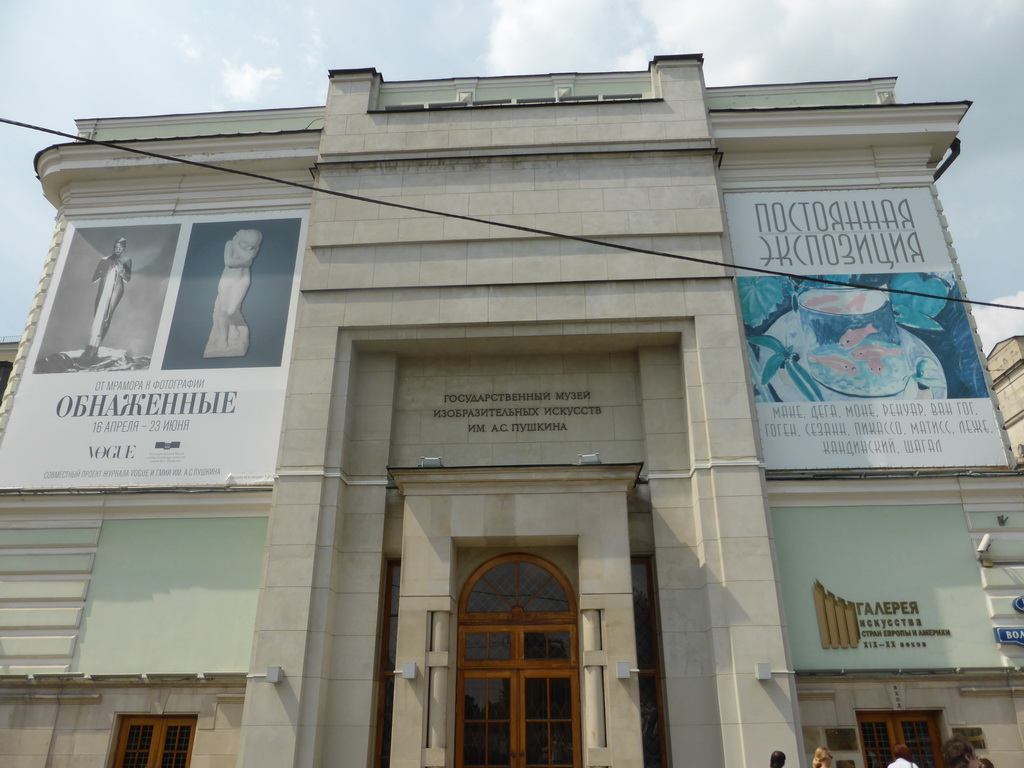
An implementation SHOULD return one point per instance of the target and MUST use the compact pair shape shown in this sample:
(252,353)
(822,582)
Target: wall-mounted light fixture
(273,675)
(431,461)
(624,670)
(589,458)
(408,671)
(982,551)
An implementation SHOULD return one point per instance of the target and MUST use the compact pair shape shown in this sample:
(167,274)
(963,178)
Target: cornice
(519,152)
(911,488)
(802,129)
(201,123)
(62,165)
(459,481)
(81,505)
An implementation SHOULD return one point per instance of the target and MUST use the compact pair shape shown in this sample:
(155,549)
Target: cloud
(190,47)
(314,50)
(245,83)
(530,36)
(994,325)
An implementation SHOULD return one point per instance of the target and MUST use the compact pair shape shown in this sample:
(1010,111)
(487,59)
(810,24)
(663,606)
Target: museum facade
(562,420)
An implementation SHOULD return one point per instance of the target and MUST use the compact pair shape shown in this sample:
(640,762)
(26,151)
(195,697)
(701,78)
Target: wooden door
(881,731)
(518,688)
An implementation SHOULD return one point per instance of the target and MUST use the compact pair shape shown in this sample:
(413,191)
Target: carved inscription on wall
(517,409)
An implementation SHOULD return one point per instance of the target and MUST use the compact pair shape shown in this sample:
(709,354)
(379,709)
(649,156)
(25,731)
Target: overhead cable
(477,220)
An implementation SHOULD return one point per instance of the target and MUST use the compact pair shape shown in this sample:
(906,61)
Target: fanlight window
(518,584)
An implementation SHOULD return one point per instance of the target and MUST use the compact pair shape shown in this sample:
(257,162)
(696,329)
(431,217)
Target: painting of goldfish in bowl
(859,336)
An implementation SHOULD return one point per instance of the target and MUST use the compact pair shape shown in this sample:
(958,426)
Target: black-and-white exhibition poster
(160,357)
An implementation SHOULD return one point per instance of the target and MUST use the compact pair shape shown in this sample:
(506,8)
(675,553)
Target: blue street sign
(1010,635)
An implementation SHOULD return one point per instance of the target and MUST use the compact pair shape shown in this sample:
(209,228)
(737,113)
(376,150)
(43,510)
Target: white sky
(61,60)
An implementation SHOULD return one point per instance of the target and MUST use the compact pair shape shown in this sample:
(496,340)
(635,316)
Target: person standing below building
(957,753)
(822,758)
(777,760)
(901,753)
(111,274)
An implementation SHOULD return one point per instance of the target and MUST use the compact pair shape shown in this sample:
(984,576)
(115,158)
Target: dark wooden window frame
(160,725)
(386,665)
(650,672)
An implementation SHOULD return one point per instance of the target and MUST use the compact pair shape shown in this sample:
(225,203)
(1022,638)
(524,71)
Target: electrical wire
(516,227)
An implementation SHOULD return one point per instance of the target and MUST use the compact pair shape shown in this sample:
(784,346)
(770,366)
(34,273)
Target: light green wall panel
(39,617)
(45,563)
(910,572)
(43,590)
(36,647)
(49,537)
(174,595)
(34,669)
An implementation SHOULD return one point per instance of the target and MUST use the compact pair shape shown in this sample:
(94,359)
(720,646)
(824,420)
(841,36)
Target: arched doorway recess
(518,680)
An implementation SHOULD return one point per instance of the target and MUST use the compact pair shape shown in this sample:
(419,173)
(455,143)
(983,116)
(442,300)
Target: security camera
(986,542)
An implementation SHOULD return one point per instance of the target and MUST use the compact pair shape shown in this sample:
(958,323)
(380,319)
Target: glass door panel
(486,722)
(548,713)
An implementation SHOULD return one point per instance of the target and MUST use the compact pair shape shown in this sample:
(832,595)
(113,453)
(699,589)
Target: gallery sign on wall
(160,357)
(857,596)
(878,367)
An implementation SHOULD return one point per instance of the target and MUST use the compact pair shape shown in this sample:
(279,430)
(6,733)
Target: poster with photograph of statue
(860,347)
(160,356)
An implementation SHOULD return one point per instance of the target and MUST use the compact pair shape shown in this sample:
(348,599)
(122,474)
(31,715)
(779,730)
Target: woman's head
(778,759)
(822,758)
(957,753)
(901,750)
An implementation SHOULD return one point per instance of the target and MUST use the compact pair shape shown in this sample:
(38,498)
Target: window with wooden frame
(645,621)
(386,669)
(155,742)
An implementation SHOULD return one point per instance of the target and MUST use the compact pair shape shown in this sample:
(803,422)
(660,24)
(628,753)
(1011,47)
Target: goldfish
(857,303)
(835,362)
(873,352)
(855,336)
(818,301)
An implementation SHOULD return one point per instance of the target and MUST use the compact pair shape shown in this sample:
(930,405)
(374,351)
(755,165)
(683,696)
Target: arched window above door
(514,584)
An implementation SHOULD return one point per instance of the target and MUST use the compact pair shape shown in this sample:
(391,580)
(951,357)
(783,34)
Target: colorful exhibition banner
(859,593)
(160,357)
(881,370)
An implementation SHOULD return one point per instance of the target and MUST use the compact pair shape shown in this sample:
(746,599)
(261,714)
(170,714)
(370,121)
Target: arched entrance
(518,682)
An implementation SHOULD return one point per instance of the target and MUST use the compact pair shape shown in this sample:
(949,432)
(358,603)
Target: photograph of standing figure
(110,276)
(111,288)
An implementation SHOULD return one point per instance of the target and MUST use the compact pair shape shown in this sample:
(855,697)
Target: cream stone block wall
(707,501)
(75,724)
(719,603)
(671,198)
(352,124)
(405,315)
